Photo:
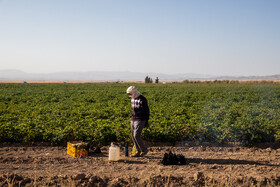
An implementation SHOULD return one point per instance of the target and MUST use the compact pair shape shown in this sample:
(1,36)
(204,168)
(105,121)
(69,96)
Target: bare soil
(207,165)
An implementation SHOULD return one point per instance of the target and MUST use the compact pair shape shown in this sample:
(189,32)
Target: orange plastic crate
(77,148)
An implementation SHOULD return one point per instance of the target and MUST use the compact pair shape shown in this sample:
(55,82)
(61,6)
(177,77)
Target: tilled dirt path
(207,165)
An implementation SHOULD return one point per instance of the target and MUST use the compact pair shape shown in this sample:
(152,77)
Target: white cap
(133,92)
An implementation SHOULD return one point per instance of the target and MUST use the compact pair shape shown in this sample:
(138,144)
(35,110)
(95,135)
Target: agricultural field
(228,133)
(100,113)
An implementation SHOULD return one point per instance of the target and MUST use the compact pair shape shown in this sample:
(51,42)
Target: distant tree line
(229,81)
(150,80)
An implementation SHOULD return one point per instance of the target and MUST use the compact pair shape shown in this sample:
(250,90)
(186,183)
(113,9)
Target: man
(140,117)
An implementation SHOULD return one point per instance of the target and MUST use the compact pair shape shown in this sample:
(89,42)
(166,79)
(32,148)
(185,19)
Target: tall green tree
(157,80)
(148,79)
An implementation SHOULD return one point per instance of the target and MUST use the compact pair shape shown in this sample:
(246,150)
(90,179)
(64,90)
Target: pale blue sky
(216,37)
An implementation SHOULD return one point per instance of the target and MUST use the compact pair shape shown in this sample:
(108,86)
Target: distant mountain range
(17,75)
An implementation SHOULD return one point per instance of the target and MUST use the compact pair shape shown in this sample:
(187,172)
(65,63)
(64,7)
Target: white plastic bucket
(114,152)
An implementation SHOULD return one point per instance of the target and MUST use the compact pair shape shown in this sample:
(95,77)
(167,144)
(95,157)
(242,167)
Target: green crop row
(100,113)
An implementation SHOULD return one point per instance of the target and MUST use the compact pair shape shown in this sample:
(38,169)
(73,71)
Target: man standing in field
(140,117)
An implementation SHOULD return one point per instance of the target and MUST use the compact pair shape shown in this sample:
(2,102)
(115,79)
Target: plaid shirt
(140,109)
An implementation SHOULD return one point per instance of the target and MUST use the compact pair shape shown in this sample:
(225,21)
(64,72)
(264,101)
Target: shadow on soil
(227,161)
(91,154)
(132,161)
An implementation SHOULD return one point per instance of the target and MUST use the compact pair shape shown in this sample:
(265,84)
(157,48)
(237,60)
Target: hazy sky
(216,37)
